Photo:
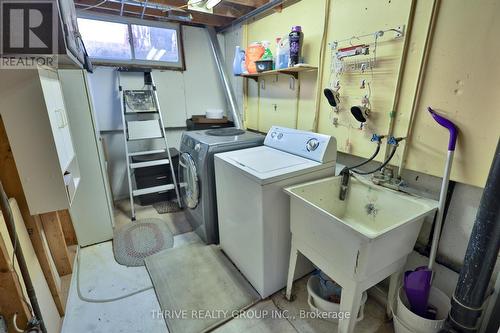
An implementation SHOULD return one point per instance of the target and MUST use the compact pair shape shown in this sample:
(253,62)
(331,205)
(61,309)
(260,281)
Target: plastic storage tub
(321,305)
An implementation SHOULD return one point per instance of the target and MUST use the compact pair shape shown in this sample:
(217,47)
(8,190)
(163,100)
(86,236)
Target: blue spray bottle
(239,61)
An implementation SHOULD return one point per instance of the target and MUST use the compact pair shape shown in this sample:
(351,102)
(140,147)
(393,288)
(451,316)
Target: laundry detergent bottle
(296,38)
(268,54)
(254,52)
(239,61)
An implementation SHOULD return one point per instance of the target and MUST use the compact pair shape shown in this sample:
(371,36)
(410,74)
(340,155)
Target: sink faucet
(344,184)
(346,172)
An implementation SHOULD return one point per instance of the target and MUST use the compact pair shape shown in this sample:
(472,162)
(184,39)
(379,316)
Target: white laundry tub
(359,241)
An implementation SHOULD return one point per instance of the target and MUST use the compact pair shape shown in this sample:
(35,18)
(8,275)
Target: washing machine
(254,211)
(196,174)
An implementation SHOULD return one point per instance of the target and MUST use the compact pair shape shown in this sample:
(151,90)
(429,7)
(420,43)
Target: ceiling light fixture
(212,3)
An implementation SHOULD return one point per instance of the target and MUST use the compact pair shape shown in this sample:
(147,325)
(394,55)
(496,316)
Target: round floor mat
(137,240)
(165,207)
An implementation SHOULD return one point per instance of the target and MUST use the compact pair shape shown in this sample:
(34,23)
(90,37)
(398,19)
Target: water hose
(389,158)
(375,138)
(377,150)
(105,300)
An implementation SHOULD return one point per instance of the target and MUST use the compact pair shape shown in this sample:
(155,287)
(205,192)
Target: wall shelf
(293,71)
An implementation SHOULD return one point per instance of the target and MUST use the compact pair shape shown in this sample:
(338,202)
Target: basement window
(111,45)
(119,41)
(155,44)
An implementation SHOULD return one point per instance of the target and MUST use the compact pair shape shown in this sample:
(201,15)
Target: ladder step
(139,101)
(149,163)
(148,152)
(144,129)
(127,113)
(154,189)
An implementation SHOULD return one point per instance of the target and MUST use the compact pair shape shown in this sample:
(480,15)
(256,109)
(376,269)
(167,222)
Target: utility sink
(358,241)
(369,210)
(373,223)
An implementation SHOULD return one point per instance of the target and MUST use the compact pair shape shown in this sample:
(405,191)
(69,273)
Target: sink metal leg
(291,271)
(350,302)
(392,293)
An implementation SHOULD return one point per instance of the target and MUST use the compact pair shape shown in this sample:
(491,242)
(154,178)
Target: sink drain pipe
(224,78)
(480,258)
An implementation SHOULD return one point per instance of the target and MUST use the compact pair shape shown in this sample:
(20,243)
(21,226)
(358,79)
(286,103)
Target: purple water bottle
(296,37)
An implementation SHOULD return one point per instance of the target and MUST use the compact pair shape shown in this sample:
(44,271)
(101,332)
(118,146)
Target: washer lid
(268,165)
(265,161)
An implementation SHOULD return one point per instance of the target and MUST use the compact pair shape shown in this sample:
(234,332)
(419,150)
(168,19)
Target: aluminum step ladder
(143,124)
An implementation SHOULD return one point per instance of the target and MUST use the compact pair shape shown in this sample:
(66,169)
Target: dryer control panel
(314,146)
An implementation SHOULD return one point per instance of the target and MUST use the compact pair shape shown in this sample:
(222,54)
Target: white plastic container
(399,326)
(418,324)
(282,53)
(214,114)
(326,308)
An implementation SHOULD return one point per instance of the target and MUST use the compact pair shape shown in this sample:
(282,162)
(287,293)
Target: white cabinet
(91,210)
(36,122)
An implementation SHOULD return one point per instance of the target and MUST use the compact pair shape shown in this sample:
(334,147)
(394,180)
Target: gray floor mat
(195,278)
(177,223)
(164,207)
(137,240)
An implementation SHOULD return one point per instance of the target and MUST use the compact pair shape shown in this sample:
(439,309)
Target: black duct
(480,258)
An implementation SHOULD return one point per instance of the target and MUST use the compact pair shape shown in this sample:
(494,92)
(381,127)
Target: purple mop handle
(449,125)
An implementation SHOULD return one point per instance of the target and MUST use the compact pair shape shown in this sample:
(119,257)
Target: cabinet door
(277,102)
(57,117)
(65,130)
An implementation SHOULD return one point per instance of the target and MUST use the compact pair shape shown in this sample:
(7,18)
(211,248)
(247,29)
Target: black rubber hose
(381,166)
(368,160)
(480,257)
(30,290)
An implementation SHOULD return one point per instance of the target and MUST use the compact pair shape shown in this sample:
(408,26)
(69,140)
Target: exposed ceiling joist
(247,3)
(220,10)
(151,13)
(224,13)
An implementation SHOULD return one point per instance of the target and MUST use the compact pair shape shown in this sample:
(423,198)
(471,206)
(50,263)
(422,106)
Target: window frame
(129,21)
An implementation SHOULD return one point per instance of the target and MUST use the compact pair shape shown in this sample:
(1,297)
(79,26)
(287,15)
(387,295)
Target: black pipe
(480,258)
(30,290)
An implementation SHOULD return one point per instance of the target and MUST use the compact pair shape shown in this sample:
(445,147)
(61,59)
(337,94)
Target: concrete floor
(102,278)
